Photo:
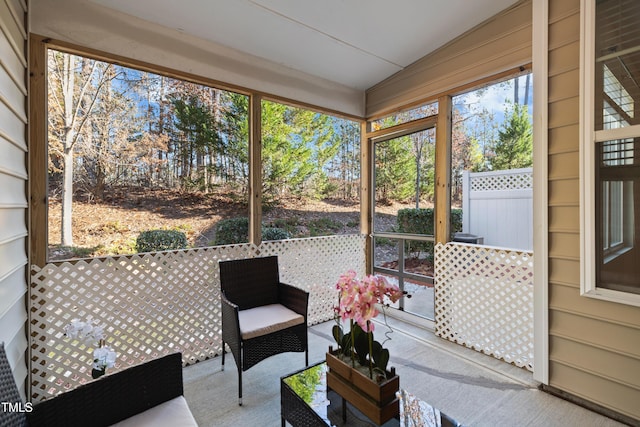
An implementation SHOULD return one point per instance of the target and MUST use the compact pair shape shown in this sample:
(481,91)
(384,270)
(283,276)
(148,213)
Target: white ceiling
(356,43)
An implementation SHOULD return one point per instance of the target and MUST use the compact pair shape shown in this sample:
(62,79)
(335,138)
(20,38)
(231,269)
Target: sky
(495,97)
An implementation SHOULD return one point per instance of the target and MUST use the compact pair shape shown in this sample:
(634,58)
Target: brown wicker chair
(261,316)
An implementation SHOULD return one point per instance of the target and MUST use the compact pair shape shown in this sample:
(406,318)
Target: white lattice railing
(512,179)
(159,303)
(484,300)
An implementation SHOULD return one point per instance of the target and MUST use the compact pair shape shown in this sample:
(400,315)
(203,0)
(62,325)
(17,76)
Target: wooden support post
(366,196)
(443,171)
(38,164)
(255,169)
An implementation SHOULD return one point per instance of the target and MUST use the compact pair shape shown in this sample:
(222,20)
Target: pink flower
(358,297)
(347,281)
(357,300)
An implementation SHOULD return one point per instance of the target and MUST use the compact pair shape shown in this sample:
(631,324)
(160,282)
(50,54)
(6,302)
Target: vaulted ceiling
(355,43)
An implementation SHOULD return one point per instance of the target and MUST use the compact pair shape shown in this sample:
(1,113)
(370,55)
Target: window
(131,151)
(611,150)
(310,173)
(142,162)
(406,116)
(491,162)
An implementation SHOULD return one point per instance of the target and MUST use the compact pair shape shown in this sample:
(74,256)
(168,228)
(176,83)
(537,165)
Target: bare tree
(74,85)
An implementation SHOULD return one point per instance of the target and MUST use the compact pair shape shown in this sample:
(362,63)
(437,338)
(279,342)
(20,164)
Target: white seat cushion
(172,413)
(266,319)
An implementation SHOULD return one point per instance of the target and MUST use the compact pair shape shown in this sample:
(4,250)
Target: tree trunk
(68,86)
(418,181)
(418,143)
(67,198)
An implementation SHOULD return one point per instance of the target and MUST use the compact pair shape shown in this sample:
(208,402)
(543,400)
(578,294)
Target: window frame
(616,204)
(38,139)
(590,138)
(381,136)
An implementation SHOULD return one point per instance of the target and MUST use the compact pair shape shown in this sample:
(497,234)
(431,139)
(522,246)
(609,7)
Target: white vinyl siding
(13,186)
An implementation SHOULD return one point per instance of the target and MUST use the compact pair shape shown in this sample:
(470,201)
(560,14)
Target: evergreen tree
(235,140)
(197,140)
(395,170)
(515,141)
(285,154)
(424,157)
(345,166)
(318,133)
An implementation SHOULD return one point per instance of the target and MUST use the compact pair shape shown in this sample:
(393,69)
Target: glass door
(403,216)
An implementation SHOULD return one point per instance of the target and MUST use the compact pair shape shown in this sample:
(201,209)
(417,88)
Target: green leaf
(338,335)
(361,345)
(382,359)
(346,344)
(376,348)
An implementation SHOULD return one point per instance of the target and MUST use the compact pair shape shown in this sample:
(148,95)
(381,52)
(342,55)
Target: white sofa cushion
(172,413)
(266,319)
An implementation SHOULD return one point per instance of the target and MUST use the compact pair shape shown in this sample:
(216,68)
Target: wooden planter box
(377,401)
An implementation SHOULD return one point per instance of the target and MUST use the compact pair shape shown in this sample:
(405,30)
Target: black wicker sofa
(150,394)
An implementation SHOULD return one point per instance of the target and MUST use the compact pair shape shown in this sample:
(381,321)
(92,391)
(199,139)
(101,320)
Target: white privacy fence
(159,303)
(484,300)
(498,206)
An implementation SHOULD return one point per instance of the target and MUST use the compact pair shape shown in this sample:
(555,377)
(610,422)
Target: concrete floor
(474,389)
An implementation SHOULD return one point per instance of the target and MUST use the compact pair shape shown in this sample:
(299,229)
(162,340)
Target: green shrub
(415,221)
(274,233)
(353,223)
(236,230)
(420,221)
(288,224)
(160,240)
(456,221)
(231,231)
(324,226)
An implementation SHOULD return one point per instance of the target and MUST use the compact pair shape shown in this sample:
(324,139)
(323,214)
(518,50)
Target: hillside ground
(111,226)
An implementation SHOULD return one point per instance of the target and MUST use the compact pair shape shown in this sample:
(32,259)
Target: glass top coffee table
(305,402)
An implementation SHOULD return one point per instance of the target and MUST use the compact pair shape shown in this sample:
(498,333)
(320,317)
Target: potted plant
(92,333)
(358,368)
